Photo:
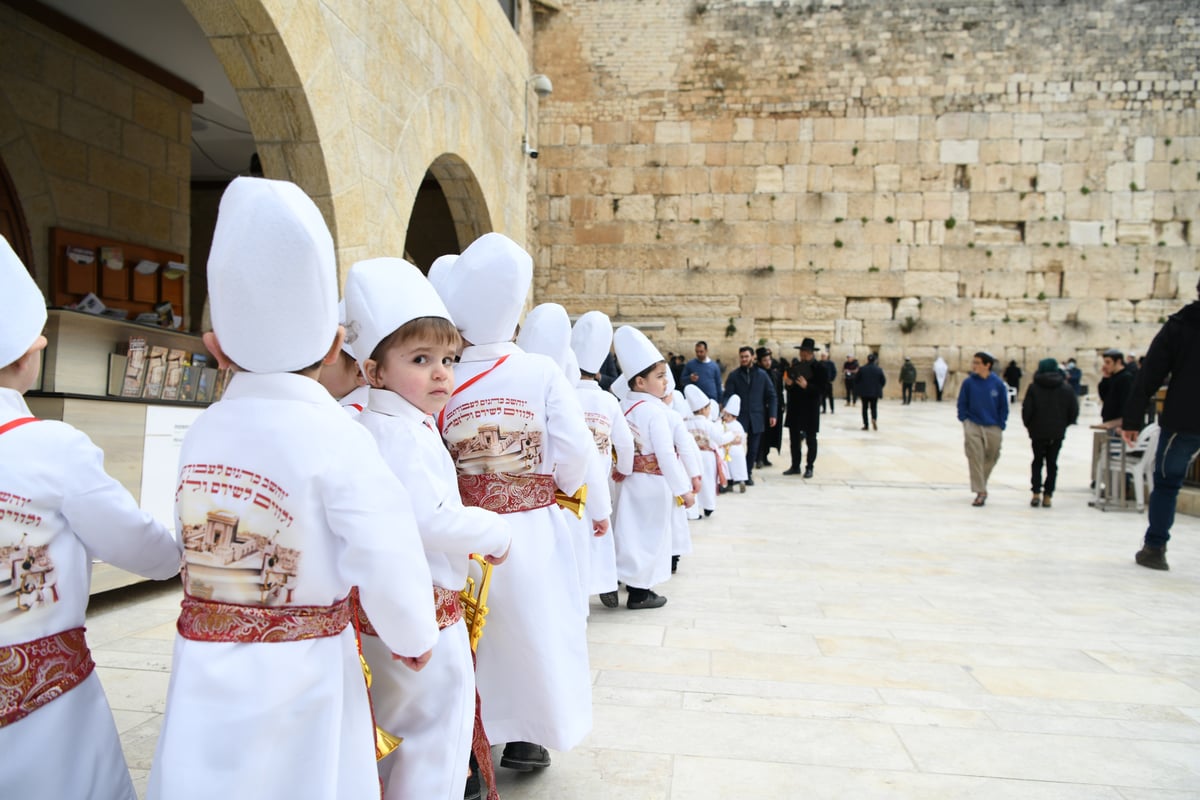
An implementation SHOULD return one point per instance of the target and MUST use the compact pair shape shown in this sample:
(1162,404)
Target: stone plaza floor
(864,634)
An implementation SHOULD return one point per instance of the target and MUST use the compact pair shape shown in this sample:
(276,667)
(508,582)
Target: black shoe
(1152,557)
(767,463)
(525,756)
(474,788)
(808,471)
(674,564)
(792,471)
(865,427)
(748,482)
(708,512)
(649,600)
(610,599)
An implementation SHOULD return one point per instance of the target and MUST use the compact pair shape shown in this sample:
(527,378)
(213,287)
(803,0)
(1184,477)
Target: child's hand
(415,664)
(696,485)
(689,500)
(617,476)
(599,528)
(496,560)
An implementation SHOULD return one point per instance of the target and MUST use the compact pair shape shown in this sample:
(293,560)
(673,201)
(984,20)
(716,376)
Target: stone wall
(356,101)
(918,178)
(90,145)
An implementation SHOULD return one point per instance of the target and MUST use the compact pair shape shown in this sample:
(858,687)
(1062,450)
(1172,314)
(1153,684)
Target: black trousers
(795,438)
(906,392)
(753,442)
(1044,450)
(827,397)
(869,404)
(849,393)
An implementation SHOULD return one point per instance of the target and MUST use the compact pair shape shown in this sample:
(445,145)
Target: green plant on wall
(730,329)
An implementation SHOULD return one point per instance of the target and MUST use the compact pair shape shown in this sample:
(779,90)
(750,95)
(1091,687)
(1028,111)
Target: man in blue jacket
(983,411)
(757,391)
(704,372)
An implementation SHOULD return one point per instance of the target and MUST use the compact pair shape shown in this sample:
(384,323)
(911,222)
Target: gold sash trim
(34,673)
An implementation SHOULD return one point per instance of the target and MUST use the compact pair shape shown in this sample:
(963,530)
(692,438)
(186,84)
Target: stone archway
(448,214)
(273,55)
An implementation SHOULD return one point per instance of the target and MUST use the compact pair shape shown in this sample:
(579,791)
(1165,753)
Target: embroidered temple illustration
(238,566)
(28,579)
(494,450)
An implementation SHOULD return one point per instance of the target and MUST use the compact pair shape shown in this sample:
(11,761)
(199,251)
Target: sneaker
(525,756)
(1045,501)
(741,487)
(1036,500)
(610,599)
(875,424)
(651,600)
(1152,557)
(808,471)
(792,471)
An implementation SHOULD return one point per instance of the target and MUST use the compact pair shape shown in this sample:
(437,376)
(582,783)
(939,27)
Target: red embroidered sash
(446,604)
(646,464)
(34,673)
(207,621)
(506,493)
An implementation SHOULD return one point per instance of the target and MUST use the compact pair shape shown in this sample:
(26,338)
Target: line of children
(283,506)
(735,452)
(710,438)
(515,431)
(59,509)
(647,500)
(409,343)
(591,338)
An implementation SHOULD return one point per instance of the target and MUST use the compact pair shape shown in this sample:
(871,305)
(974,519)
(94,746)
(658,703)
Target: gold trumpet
(474,601)
(575,503)
(385,742)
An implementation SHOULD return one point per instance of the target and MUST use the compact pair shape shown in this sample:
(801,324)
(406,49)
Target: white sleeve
(621,438)
(569,434)
(718,436)
(105,517)
(369,510)
(445,524)
(685,444)
(662,442)
(599,501)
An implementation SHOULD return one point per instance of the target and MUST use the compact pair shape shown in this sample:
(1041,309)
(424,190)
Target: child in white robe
(515,432)
(59,510)
(648,496)
(735,451)
(591,338)
(285,506)
(402,324)
(710,438)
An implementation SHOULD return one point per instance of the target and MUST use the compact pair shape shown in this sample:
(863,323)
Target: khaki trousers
(982,445)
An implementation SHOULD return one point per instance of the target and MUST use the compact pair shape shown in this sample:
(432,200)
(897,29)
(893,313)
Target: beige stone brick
(768,179)
(137,218)
(952,126)
(118,174)
(955,151)
(668,132)
(101,88)
(878,129)
(910,205)
(907,128)
(143,146)
(60,155)
(820,178)
(832,152)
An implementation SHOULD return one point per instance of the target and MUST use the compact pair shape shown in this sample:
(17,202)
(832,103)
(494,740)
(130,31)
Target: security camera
(530,151)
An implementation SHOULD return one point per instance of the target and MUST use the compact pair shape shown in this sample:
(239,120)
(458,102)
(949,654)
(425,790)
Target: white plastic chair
(1136,461)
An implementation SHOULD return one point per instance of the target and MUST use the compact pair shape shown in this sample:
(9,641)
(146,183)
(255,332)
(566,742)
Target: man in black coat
(1050,407)
(1174,359)
(773,435)
(868,385)
(806,382)
(759,408)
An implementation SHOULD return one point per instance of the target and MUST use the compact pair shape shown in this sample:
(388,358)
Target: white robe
(611,434)
(356,401)
(309,490)
(710,438)
(434,709)
(58,510)
(736,450)
(532,665)
(689,455)
(647,502)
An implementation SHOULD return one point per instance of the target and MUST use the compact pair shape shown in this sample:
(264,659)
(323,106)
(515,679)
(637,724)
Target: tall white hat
(680,404)
(272,277)
(634,350)
(22,307)
(547,330)
(382,294)
(440,268)
(485,289)
(591,339)
(696,397)
(733,406)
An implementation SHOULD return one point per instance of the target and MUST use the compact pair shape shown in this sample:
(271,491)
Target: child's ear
(214,347)
(370,372)
(335,350)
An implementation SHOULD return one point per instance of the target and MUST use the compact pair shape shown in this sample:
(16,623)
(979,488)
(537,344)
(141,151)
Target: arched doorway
(12,220)
(449,212)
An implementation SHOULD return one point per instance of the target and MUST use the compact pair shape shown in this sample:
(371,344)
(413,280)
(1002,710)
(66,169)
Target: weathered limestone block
(847,332)
(871,309)
(930,284)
